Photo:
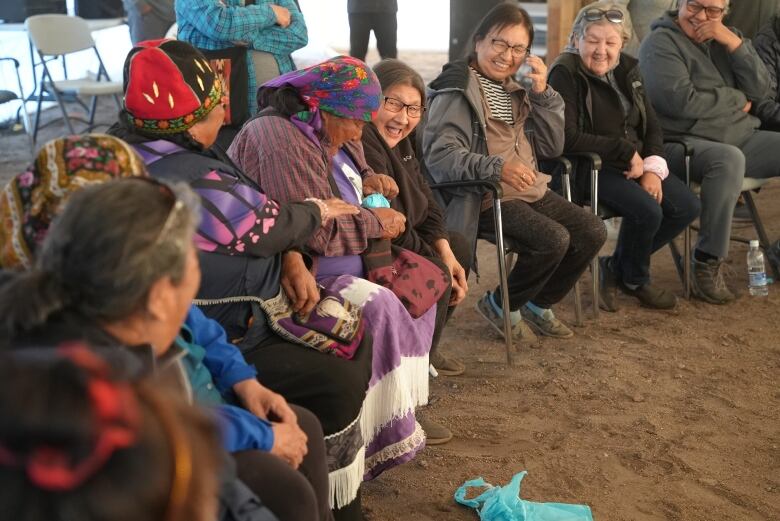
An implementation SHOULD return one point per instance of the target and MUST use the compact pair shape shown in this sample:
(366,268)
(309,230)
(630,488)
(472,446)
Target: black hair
(395,72)
(503,15)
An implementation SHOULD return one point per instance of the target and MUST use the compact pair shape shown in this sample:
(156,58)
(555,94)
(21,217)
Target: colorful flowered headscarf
(31,200)
(342,86)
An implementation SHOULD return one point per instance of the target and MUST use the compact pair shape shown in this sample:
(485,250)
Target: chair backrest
(57,34)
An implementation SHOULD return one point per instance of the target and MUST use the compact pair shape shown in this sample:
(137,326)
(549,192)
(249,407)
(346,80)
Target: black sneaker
(608,284)
(708,282)
(651,296)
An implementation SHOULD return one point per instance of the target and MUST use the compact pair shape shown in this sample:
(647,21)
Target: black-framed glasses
(612,15)
(396,105)
(500,46)
(712,12)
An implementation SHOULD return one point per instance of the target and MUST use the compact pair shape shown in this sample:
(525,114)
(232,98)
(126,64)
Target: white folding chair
(8,95)
(55,36)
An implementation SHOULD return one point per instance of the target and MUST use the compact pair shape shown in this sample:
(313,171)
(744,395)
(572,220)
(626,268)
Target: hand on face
(715,30)
(538,73)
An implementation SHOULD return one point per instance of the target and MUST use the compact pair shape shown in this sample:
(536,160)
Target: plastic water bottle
(756,271)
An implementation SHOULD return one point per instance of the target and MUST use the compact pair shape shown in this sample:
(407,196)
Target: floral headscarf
(31,200)
(342,86)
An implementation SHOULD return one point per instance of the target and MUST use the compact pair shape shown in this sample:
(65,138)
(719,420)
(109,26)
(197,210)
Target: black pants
(555,241)
(460,248)
(384,26)
(292,495)
(330,387)
(647,226)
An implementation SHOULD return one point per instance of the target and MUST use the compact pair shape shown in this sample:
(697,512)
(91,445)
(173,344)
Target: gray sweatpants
(152,25)
(719,169)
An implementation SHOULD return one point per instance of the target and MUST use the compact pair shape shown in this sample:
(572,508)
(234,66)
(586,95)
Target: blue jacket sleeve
(223,360)
(242,430)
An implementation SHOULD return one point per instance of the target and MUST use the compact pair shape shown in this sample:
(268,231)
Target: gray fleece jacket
(454,146)
(700,89)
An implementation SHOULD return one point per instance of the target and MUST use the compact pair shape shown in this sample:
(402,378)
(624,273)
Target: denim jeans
(647,226)
(555,241)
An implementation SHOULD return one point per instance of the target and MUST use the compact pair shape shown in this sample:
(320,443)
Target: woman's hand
(283,18)
(263,402)
(538,74)
(652,185)
(393,222)
(298,283)
(460,286)
(517,175)
(636,167)
(289,443)
(334,208)
(380,184)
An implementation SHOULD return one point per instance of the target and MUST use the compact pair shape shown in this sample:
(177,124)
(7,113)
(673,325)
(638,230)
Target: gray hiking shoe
(708,282)
(547,325)
(520,330)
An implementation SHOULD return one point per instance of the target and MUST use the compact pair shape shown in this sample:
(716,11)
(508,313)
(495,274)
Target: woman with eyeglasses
(607,113)
(707,84)
(388,143)
(475,129)
(305,142)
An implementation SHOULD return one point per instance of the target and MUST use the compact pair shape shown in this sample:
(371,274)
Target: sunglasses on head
(612,15)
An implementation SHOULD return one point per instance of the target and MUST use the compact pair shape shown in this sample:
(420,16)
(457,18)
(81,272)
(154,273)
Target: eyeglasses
(500,46)
(612,15)
(394,105)
(713,13)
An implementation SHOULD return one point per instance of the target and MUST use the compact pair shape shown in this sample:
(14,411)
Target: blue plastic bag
(504,504)
(376,201)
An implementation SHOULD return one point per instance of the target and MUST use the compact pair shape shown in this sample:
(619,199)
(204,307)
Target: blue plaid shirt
(219,24)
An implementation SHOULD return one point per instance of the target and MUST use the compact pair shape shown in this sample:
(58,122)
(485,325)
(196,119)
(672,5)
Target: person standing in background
(379,16)
(149,19)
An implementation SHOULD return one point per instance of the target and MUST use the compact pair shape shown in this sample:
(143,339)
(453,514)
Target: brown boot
(435,433)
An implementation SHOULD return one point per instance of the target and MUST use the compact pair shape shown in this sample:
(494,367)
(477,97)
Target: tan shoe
(446,365)
(435,433)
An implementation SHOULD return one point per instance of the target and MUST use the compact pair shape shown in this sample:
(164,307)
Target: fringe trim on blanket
(398,449)
(343,484)
(395,395)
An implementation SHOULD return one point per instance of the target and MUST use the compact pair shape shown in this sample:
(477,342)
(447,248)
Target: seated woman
(607,113)
(389,148)
(87,428)
(241,239)
(142,302)
(305,142)
(475,130)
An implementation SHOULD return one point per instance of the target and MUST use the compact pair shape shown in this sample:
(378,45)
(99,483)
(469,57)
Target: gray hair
(104,253)
(581,25)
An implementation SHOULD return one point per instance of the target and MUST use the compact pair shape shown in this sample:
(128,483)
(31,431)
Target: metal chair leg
(502,275)
(578,320)
(594,265)
(758,224)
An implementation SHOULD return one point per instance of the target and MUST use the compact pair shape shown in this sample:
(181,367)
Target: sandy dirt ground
(643,415)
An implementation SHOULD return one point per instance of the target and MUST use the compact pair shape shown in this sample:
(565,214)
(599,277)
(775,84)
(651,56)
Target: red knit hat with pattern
(169,86)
